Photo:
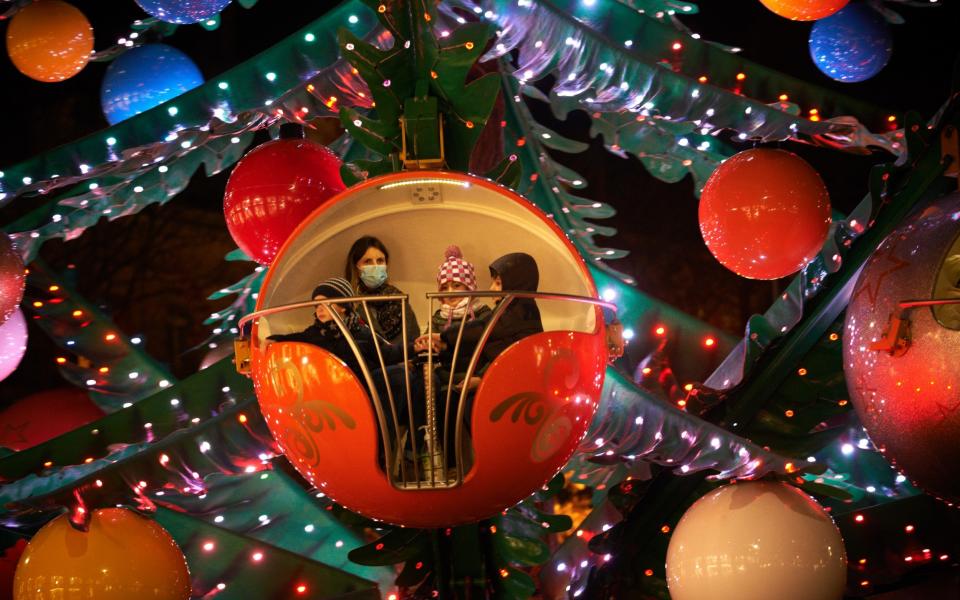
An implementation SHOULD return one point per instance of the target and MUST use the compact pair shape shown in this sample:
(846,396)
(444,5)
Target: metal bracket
(896,338)
(421,134)
(615,341)
(950,146)
(241,352)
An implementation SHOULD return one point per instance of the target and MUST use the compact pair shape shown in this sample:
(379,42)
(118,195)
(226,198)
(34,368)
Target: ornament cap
(291,131)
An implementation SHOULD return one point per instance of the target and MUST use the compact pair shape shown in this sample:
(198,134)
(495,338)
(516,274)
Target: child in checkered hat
(457,275)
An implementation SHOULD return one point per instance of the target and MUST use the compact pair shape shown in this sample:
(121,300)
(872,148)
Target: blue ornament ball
(851,45)
(145,77)
(183,12)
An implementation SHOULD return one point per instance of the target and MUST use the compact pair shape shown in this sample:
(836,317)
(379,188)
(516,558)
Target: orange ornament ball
(49,41)
(804,10)
(122,556)
(764,214)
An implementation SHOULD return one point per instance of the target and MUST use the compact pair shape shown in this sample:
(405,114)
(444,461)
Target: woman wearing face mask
(366,269)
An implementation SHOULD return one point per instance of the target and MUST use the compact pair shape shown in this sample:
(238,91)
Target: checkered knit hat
(455,268)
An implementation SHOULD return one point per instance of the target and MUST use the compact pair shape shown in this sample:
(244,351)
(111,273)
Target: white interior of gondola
(485,223)
(947,285)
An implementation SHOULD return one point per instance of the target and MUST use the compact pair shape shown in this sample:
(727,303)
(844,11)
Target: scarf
(459,310)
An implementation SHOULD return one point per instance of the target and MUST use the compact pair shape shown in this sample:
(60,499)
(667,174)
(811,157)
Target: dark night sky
(655,220)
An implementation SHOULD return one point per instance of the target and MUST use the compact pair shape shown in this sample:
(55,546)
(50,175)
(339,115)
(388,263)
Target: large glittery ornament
(183,12)
(756,540)
(145,77)
(804,10)
(903,367)
(852,45)
(13,343)
(43,416)
(273,188)
(123,556)
(764,213)
(11,278)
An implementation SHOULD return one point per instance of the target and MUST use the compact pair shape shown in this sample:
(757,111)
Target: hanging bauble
(11,278)
(764,214)
(13,343)
(273,188)
(183,11)
(902,366)
(49,40)
(756,540)
(145,77)
(9,557)
(804,10)
(45,415)
(852,45)
(123,555)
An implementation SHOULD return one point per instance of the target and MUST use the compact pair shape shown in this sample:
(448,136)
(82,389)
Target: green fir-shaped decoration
(418,72)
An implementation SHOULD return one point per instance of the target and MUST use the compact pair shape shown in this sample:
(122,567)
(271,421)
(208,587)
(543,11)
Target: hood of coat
(518,272)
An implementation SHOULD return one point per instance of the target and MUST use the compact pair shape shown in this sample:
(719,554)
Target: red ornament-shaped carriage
(350,435)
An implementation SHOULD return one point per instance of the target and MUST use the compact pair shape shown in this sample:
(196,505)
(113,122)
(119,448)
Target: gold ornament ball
(756,541)
(123,556)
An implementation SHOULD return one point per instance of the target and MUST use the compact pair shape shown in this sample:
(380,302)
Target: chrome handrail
(393,452)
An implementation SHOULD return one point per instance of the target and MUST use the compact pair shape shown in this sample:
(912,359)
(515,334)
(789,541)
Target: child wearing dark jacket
(325,333)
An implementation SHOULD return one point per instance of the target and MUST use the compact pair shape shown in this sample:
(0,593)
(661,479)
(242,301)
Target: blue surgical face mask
(373,276)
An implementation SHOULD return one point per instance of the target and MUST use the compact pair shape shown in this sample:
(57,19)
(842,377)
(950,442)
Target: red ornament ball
(11,278)
(907,393)
(764,214)
(804,10)
(273,188)
(43,416)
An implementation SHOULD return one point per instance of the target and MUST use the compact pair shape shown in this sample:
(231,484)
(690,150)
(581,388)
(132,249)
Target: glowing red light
(858,518)
(257,556)
(301,589)
(709,342)
(677,46)
(209,546)
(660,330)
(908,528)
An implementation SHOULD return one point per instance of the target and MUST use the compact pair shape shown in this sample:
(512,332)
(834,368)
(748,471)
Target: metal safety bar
(433,473)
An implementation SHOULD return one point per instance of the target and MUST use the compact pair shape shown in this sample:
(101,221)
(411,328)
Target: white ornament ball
(756,540)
